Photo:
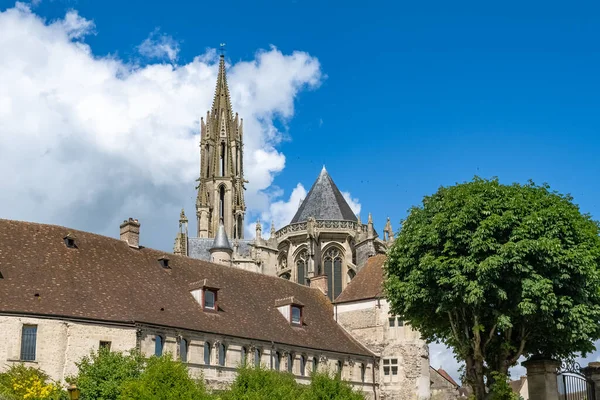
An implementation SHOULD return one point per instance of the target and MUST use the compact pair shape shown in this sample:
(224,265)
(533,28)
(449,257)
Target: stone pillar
(592,371)
(541,379)
(130,232)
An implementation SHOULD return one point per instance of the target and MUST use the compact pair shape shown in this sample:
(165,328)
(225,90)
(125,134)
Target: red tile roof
(447,377)
(367,284)
(103,279)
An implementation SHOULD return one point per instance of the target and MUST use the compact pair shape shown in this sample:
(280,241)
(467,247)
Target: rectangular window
(386,367)
(400,322)
(394,362)
(104,345)
(209,299)
(315,364)
(256,357)
(392,322)
(296,315)
(28,342)
(302,365)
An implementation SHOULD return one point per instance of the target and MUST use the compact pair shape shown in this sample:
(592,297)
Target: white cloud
(159,46)
(87,141)
(282,211)
(352,202)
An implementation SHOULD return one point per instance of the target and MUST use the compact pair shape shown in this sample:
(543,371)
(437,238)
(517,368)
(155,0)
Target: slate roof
(368,282)
(221,242)
(324,202)
(103,279)
(199,248)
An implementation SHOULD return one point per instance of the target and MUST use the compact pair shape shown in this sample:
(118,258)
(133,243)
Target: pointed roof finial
(221,242)
(258,225)
(272,228)
(370,221)
(182,217)
(222,49)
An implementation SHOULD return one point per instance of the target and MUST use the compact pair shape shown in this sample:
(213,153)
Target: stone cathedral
(325,241)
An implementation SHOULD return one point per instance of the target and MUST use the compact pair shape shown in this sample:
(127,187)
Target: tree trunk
(475,377)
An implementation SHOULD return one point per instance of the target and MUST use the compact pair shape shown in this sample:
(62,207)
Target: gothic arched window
(222,160)
(301,267)
(333,270)
(222,204)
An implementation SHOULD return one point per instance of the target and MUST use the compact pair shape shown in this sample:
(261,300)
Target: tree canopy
(498,271)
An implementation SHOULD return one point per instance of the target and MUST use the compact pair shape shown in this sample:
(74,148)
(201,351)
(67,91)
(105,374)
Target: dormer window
(164,262)
(291,309)
(296,315)
(210,299)
(205,295)
(70,240)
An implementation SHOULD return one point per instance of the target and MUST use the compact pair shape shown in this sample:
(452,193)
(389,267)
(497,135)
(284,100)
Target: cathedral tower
(221,183)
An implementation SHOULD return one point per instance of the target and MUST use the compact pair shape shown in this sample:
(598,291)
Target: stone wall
(59,343)
(403,371)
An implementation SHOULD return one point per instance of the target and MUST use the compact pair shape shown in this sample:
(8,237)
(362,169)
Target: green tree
(326,387)
(495,272)
(164,379)
(102,373)
(258,383)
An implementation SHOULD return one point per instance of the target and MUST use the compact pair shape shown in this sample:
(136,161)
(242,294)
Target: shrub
(102,373)
(163,379)
(263,384)
(28,383)
(326,387)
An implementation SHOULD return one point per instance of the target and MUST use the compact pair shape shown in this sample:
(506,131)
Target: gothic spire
(222,101)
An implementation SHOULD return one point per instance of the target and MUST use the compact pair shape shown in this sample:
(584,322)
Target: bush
(164,379)
(325,387)
(102,373)
(259,383)
(21,382)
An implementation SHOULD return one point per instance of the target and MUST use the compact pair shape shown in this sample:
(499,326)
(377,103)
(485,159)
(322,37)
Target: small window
(183,350)
(400,322)
(296,315)
(340,366)
(394,362)
(70,241)
(222,354)
(257,357)
(302,365)
(210,299)
(28,342)
(243,354)
(158,345)
(290,363)
(207,348)
(104,345)
(362,372)
(386,367)
(315,364)
(164,262)
(392,322)
(277,360)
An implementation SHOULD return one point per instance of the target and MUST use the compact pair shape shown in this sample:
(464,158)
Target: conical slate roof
(324,202)
(221,242)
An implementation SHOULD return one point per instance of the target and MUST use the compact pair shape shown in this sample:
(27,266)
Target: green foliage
(164,379)
(498,271)
(500,389)
(28,383)
(102,373)
(325,387)
(263,384)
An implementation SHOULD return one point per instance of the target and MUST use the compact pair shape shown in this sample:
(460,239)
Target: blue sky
(406,96)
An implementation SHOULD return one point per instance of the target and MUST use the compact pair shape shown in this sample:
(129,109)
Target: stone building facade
(95,291)
(325,237)
(403,355)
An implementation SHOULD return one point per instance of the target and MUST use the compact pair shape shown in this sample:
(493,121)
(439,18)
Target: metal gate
(573,384)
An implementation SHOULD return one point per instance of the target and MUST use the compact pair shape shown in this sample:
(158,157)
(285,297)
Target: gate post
(541,379)
(592,372)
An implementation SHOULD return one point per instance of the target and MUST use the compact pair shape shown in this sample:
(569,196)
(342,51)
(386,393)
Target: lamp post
(73,392)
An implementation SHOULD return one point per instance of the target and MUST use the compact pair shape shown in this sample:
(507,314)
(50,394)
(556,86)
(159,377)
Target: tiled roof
(447,376)
(324,202)
(368,282)
(104,279)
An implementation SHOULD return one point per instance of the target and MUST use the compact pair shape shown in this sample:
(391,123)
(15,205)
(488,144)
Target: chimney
(130,232)
(319,282)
